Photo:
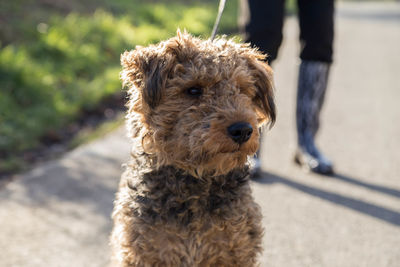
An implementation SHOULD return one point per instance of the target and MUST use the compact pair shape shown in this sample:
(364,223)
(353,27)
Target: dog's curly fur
(185,199)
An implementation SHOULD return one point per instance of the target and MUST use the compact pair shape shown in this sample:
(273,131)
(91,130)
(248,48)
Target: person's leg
(316,29)
(316,36)
(261,23)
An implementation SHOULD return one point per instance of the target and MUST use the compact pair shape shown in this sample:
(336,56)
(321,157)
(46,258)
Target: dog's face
(198,105)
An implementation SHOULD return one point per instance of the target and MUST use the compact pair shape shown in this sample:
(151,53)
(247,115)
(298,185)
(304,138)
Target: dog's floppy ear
(144,69)
(263,75)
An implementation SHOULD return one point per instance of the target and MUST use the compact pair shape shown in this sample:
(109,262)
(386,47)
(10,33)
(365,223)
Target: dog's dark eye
(194,91)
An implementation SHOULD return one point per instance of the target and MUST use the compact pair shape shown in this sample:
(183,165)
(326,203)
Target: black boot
(313,78)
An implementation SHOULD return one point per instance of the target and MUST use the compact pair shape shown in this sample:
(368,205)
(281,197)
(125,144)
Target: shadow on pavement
(54,184)
(378,188)
(373,210)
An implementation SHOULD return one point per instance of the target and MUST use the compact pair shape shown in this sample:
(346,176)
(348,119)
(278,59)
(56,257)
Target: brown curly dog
(195,110)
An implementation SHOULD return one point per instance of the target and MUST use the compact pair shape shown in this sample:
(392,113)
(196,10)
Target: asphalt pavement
(58,214)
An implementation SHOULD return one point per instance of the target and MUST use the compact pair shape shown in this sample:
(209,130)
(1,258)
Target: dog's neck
(236,176)
(144,162)
(170,193)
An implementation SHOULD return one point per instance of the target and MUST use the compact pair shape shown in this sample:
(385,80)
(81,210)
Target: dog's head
(198,105)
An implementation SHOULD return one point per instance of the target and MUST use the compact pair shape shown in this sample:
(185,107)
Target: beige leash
(219,15)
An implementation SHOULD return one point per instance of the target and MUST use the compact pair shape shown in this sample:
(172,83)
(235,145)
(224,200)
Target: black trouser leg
(261,23)
(316,29)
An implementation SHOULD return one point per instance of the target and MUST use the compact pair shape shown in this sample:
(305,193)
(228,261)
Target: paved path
(59,213)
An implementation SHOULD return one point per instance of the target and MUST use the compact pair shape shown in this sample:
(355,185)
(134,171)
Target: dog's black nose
(240,132)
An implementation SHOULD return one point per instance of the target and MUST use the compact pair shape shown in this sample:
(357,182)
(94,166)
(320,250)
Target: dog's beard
(220,155)
(205,147)
(207,156)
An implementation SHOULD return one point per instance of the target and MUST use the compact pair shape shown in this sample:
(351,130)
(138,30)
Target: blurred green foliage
(59,57)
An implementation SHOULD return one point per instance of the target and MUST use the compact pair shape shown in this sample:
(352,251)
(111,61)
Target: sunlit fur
(184,199)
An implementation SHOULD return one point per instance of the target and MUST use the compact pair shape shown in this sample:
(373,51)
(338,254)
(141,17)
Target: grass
(59,59)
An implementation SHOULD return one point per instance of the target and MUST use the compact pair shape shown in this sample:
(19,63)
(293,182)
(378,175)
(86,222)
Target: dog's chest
(169,196)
